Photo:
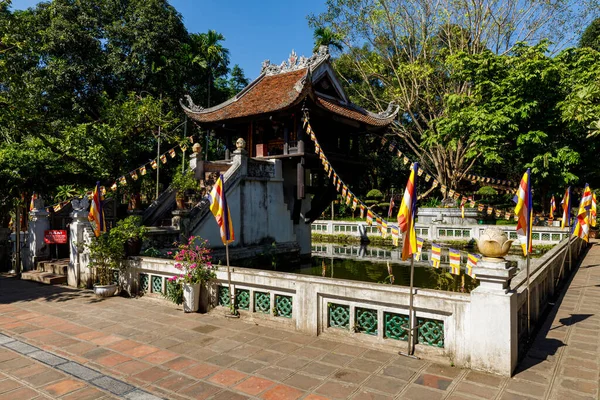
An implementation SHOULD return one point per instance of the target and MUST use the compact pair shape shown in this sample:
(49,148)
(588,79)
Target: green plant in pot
(183,183)
(131,233)
(106,260)
(195,270)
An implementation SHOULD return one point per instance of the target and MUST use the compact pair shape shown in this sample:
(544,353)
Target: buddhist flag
(480,207)
(344,191)
(490,210)
(330,172)
(383,229)
(552,207)
(163,159)
(34,197)
(57,207)
(472,203)
(524,211)
(220,209)
(451,193)
(113,186)
(462,206)
(582,227)
(498,213)
(143,170)
(472,260)
(153,164)
(348,199)
(378,223)
(391,209)
(407,214)
(427,177)
(123,181)
(593,210)
(362,211)
(369,217)
(395,235)
(96,214)
(436,255)
(454,261)
(507,216)
(406,160)
(339,183)
(183,148)
(172,153)
(417,255)
(354,203)
(435,183)
(133,175)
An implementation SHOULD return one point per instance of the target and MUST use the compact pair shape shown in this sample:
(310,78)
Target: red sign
(55,237)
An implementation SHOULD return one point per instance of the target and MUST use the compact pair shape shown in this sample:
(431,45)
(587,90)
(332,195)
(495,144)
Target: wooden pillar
(300,135)
(300,179)
(286,140)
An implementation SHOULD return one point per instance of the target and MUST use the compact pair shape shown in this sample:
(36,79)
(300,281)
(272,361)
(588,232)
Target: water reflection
(369,264)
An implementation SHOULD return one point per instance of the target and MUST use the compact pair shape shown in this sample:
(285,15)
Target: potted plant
(184,182)
(193,260)
(106,257)
(131,233)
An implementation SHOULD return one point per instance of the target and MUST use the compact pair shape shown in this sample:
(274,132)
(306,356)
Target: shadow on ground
(13,290)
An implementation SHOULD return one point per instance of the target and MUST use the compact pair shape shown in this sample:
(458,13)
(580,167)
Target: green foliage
(591,35)
(107,251)
(431,202)
(185,181)
(487,191)
(374,194)
(174,292)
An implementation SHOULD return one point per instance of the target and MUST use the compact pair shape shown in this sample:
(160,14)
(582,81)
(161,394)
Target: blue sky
(254,30)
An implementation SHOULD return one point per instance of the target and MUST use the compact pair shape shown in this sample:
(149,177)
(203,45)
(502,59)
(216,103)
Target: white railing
(541,234)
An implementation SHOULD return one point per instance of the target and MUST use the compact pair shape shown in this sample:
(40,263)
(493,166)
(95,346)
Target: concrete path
(142,348)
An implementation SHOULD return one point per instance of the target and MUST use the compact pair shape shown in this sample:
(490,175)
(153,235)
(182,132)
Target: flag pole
(231,296)
(410,347)
(528,298)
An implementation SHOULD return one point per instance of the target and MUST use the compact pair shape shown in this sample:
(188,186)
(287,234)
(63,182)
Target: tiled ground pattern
(152,345)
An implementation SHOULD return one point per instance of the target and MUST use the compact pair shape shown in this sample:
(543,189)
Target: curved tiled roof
(356,113)
(267,94)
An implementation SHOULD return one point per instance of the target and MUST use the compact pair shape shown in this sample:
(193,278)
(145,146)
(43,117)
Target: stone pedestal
(38,223)
(494,340)
(180,221)
(80,234)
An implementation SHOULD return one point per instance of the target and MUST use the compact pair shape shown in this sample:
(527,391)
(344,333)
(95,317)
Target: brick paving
(150,345)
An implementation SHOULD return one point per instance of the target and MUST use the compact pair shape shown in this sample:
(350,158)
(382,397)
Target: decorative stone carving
(240,144)
(493,244)
(190,104)
(196,148)
(261,169)
(80,204)
(295,63)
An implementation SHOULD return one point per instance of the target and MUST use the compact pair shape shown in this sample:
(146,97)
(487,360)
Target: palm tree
(327,37)
(215,55)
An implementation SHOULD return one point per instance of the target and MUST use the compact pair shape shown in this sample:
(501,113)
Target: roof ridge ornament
(295,63)
(190,104)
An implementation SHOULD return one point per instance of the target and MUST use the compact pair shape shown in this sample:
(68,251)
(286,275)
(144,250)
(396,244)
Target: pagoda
(268,115)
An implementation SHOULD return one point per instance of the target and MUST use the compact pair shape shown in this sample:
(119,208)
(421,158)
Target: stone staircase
(53,272)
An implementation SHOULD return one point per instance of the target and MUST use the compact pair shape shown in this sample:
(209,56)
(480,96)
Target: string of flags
(464,200)
(133,175)
(372,218)
(471,177)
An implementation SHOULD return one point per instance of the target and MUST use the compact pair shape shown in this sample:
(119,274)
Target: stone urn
(493,244)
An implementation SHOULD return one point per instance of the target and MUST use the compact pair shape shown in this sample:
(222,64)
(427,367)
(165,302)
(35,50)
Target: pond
(369,264)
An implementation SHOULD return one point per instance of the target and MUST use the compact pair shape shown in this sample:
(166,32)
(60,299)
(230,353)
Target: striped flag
(354,203)
(391,209)
(419,249)
(362,211)
(480,207)
(34,197)
(348,199)
(383,229)
(172,153)
(582,227)
(566,206)
(472,260)
(143,170)
(96,214)
(524,210)
(436,255)
(369,217)
(552,207)
(454,261)
(462,206)
(593,210)
(344,191)
(395,235)
(220,209)
(163,159)
(407,214)
(153,164)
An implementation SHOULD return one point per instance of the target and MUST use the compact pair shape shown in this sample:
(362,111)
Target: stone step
(57,267)
(44,277)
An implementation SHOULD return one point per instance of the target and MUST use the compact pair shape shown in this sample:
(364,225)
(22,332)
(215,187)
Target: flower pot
(191,297)
(105,290)
(133,247)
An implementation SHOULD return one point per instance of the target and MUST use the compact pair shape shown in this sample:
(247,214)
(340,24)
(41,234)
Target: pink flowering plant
(193,260)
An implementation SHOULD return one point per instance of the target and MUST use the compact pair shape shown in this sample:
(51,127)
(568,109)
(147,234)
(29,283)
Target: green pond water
(369,264)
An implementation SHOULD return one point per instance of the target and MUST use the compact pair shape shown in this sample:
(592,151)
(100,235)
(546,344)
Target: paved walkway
(141,348)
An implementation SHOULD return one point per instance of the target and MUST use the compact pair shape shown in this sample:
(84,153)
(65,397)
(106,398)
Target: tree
(591,36)
(324,36)
(84,86)
(404,51)
(216,56)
